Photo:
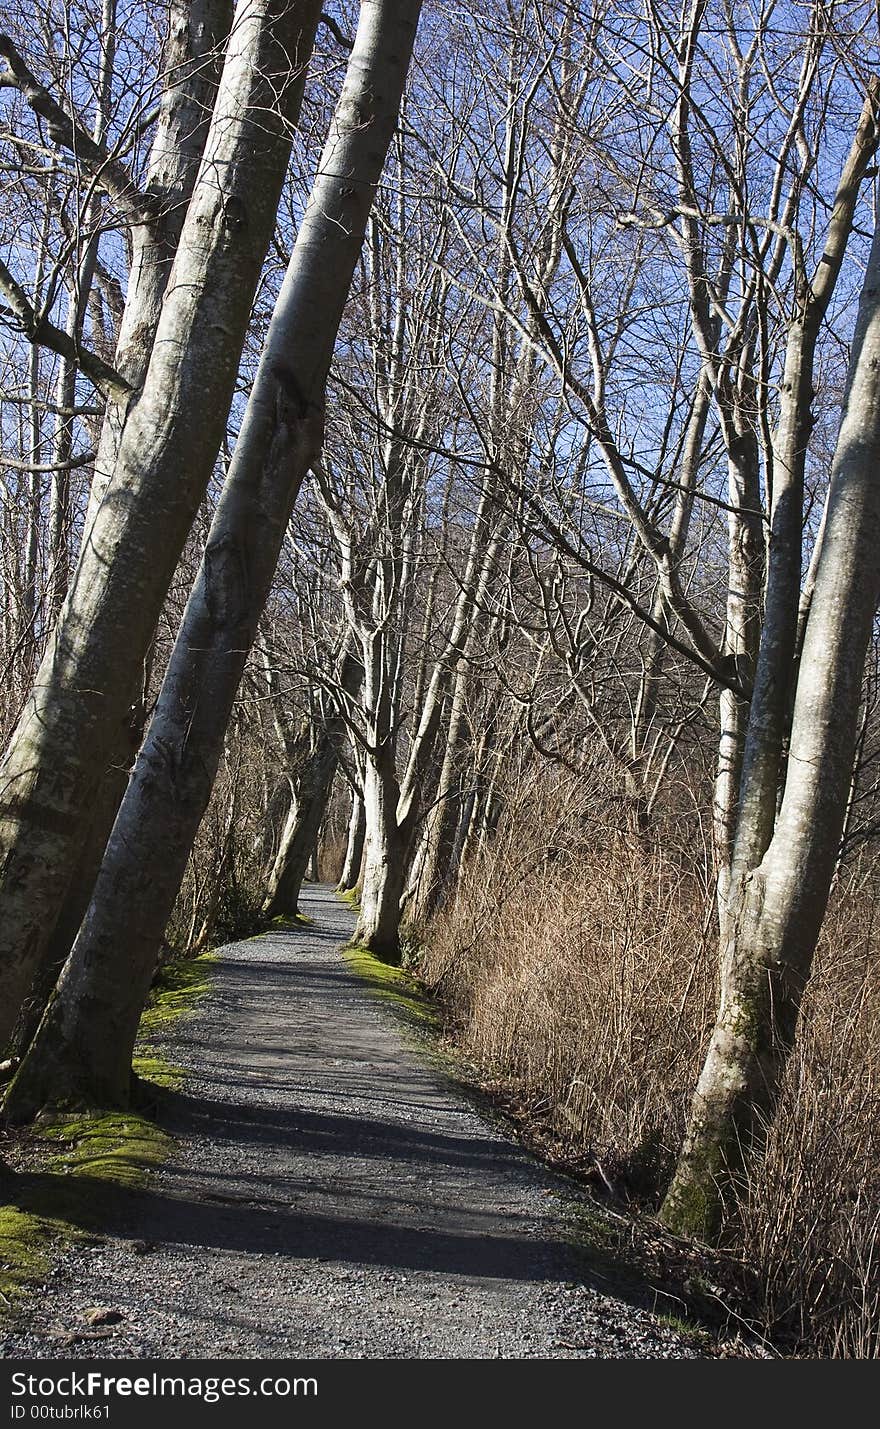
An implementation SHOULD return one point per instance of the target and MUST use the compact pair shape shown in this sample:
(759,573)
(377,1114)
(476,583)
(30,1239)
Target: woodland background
(549,571)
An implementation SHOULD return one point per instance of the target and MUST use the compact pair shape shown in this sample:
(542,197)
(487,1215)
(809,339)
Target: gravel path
(331,1195)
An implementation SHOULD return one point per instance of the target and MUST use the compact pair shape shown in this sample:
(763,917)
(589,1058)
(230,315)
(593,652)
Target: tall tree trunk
(385,865)
(354,849)
(741,640)
(770,706)
(773,928)
(77,306)
(59,491)
(277,808)
(25,634)
(166,454)
(298,837)
(388,852)
(443,820)
(192,63)
(94,841)
(198,31)
(679,527)
(85,1041)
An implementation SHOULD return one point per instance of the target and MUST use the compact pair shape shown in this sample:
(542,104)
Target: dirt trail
(331,1194)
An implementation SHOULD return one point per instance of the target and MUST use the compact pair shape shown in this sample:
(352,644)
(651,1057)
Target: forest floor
(333,1193)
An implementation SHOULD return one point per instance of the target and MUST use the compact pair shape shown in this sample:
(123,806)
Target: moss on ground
(75,1168)
(178,987)
(72,1170)
(25,1242)
(114,1147)
(394,986)
(280,923)
(153,1068)
(351,896)
(176,990)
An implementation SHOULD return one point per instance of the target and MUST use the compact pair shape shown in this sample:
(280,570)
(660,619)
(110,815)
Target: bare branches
(66,133)
(344,41)
(36,327)
(862,151)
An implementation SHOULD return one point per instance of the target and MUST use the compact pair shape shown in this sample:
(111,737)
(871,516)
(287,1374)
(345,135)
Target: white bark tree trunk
(193,58)
(773,928)
(168,446)
(78,302)
(354,849)
(770,705)
(198,32)
(85,1041)
(436,871)
(385,864)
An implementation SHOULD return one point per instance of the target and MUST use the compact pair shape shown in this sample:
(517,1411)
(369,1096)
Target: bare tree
(280,437)
(173,430)
(782,899)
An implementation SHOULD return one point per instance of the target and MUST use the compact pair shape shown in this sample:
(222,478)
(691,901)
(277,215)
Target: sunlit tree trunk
(169,442)
(385,864)
(193,57)
(436,867)
(771,932)
(84,1044)
(354,848)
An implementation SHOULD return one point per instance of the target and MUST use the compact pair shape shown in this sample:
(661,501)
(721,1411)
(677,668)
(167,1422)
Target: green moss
(693,1208)
(115,1147)
(280,923)
(393,986)
(291,920)
(177,989)
(77,1167)
(158,1070)
(351,896)
(695,1202)
(25,1241)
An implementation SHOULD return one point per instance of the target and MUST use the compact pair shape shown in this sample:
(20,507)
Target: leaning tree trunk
(85,1041)
(298,837)
(197,33)
(78,303)
(773,928)
(167,450)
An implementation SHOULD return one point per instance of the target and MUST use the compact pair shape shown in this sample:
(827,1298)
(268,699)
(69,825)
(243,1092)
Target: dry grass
(811,1212)
(331,856)
(585,984)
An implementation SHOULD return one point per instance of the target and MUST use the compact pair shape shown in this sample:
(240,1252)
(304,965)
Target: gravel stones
(330,1195)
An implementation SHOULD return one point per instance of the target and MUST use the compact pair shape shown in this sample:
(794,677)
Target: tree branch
(339,36)
(15,303)
(110,172)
